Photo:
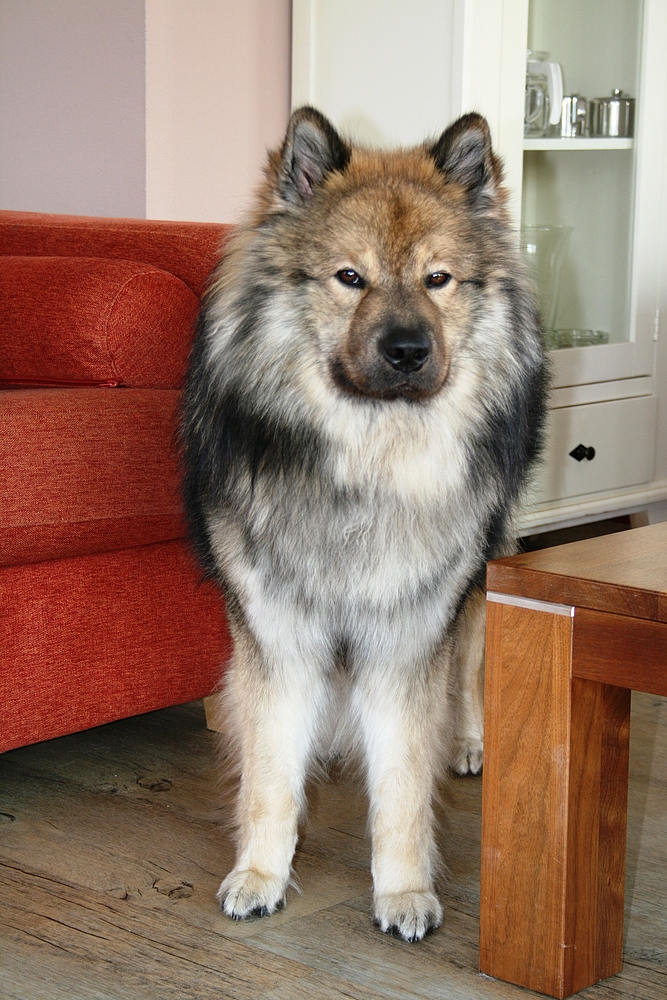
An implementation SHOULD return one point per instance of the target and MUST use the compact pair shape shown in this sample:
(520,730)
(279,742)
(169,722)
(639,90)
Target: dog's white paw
(467,756)
(408,915)
(249,893)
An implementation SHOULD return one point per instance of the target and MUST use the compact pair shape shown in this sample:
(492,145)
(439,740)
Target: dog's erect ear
(463,153)
(312,149)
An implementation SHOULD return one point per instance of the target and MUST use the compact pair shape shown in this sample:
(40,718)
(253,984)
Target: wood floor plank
(321,986)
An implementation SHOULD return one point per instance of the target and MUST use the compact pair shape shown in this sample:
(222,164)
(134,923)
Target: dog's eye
(438,279)
(349,277)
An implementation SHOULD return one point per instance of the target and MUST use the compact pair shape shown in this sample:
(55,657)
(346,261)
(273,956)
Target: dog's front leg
(273,714)
(402,731)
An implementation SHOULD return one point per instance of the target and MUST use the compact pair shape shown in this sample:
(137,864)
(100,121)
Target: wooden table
(570,631)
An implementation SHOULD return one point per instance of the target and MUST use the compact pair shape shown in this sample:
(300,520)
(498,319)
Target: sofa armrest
(73,320)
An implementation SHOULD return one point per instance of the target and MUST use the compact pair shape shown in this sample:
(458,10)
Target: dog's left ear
(464,154)
(312,149)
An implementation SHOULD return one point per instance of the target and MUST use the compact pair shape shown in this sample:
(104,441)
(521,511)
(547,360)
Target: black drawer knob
(581,452)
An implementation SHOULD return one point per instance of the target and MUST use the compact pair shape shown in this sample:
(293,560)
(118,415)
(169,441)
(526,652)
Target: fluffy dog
(365,397)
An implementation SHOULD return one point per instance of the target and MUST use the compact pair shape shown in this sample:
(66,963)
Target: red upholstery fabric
(86,470)
(80,319)
(189,250)
(89,640)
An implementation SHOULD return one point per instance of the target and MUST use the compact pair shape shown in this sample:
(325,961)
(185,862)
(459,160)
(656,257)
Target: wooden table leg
(554,806)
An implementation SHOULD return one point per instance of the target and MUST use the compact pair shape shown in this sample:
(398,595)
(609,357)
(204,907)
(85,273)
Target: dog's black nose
(404,349)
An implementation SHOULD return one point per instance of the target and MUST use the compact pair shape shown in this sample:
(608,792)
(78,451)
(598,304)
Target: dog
(365,399)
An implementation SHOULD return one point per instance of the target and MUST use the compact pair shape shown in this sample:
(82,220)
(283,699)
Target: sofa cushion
(88,320)
(87,470)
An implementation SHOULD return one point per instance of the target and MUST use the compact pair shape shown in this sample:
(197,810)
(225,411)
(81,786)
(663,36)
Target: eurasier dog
(365,397)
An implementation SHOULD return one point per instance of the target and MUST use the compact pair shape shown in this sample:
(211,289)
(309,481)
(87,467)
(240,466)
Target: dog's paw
(467,756)
(249,893)
(408,915)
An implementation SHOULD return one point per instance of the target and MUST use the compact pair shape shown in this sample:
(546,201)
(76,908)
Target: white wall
(371,46)
(72,110)
(217,97)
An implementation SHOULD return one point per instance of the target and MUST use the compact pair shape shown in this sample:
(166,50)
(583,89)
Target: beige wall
(217,96)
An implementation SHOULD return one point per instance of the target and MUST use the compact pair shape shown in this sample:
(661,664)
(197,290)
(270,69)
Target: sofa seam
(147,270)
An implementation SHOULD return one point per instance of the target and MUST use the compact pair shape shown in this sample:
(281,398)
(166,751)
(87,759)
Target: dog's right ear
(312,149)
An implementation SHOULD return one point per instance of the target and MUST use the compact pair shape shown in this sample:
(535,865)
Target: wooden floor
(111,852)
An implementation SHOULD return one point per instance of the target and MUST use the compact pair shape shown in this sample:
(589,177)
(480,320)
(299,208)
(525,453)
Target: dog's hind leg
(273,717)
(467,688)
(402,731)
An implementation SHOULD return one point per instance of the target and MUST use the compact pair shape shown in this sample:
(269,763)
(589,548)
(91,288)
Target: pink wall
(217,96)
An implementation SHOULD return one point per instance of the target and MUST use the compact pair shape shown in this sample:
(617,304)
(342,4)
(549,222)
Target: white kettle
(544,93)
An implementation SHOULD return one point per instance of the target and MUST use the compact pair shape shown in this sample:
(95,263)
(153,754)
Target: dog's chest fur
(381,528)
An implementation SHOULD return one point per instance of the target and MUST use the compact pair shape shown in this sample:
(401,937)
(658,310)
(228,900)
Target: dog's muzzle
(395,357)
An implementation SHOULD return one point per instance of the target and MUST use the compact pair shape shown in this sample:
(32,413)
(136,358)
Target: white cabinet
(392,71)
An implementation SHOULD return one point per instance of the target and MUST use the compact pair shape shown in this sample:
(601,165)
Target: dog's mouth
(412,382)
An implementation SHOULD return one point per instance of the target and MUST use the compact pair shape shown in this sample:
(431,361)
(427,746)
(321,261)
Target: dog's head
(390,247)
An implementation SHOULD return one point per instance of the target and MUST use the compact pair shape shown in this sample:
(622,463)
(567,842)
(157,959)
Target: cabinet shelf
(581,144)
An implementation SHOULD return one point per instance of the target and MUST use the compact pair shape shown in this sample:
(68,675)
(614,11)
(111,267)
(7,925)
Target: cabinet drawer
(622,432)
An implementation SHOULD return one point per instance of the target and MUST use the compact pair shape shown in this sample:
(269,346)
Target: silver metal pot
(613,117)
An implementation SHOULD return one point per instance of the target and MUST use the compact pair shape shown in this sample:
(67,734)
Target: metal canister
(573,117)
(613,117)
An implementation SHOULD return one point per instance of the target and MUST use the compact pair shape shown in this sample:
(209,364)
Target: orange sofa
(103,611)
